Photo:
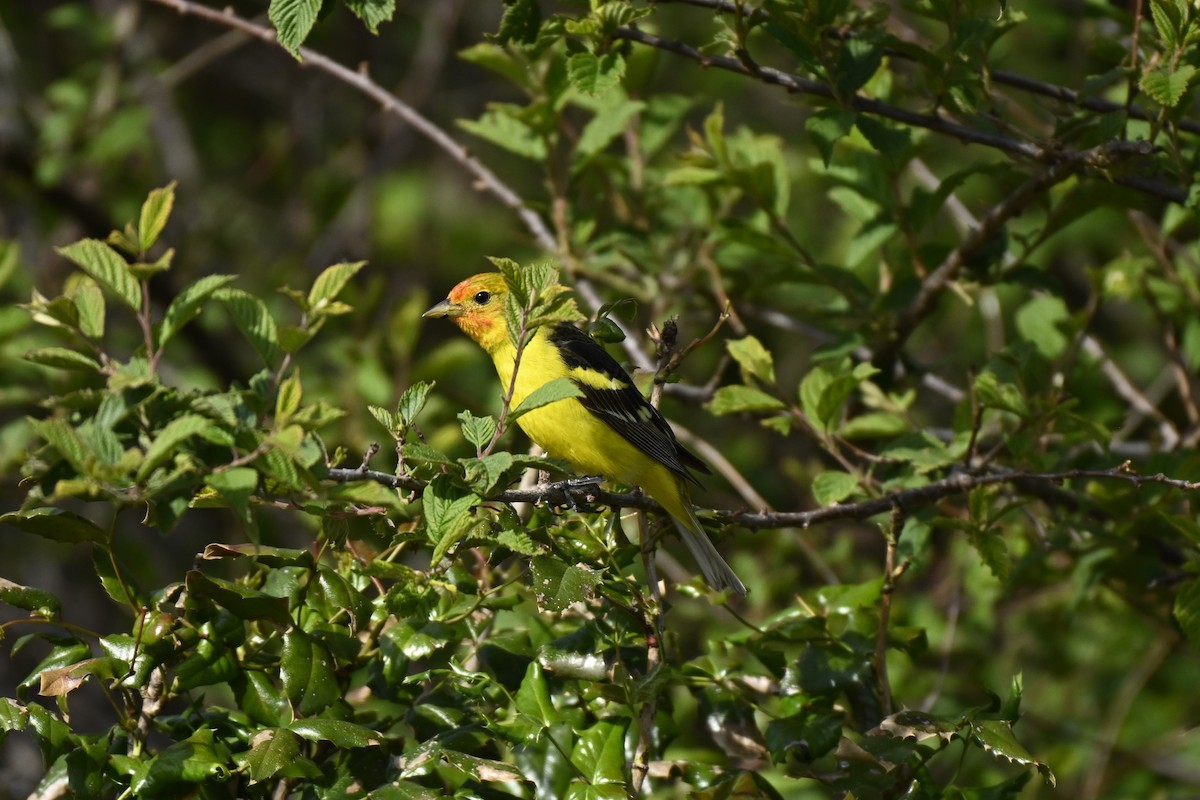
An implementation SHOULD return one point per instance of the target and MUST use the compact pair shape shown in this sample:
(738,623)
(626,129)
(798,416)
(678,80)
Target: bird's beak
(444,309)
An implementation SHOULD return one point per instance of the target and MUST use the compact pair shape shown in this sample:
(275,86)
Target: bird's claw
(571,485)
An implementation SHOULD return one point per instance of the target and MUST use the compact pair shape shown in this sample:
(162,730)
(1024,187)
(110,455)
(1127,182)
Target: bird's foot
(572,485)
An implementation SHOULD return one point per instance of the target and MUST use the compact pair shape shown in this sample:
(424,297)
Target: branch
(990,226)
(1003,77)
(937,124)
(390,103)
(563,494)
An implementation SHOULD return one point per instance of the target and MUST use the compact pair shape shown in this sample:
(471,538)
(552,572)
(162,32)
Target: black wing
(623,409)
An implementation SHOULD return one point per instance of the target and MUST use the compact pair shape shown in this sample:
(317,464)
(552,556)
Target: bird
(608,430)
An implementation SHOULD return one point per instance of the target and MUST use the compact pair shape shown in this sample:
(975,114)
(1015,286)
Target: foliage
(964,375)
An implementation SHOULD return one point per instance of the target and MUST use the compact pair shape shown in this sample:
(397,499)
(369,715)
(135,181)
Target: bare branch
(484,177)
(560,494)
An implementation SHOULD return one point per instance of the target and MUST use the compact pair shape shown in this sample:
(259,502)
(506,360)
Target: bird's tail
(717,573)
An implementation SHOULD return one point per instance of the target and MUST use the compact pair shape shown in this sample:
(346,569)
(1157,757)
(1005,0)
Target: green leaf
(293,21)
(544,395)
(372,12)
(155,213)
(339,732)
(412,401)
(62,358)
(502,126)
(558,585)
(89,301)
(1166,21)
(236,486)
(827,127)
(308,670)
(829,488)
(477,430)
(192,761)
(63,438)
(107,267)
(738,399)
(175,433)
(1039,322)
(188,303)
(607,124)
(275,752)
(753,358)
(253,320)
(263,554)
(596,75)
(535,709)
(599,753)
(329,285)
(1167,88)
(995,393)
(447,514)
(287,401)
(806,735)
(520,22)
(242,600)
(1187,610)
(39,601)
(993,550)
(996,738)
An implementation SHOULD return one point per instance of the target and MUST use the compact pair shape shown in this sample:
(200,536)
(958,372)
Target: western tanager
(609,430)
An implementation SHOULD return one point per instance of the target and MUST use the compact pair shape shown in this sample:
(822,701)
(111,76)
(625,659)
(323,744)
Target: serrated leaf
(544,395)
(501,126)
(520,22)
(63,438)
(753,358)
(1167,87)
(829,488)
(155,213)
(997,739)
(373,12)
(254,321)
(175,433)
(739,399)
(188,303)
(89,302)
(447,514)
(329,284)
(596,75)
(477,430)
(62,358)
(293,21)
(107,267)
(383,417)
(558,585)
(411,402)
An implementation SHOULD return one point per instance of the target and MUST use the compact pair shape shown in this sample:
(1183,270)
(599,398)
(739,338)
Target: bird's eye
(483,297)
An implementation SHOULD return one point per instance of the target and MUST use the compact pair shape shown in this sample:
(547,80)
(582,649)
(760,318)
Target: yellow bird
(609,430)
